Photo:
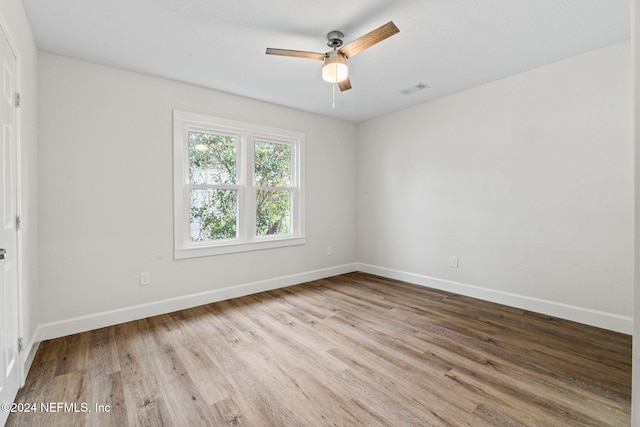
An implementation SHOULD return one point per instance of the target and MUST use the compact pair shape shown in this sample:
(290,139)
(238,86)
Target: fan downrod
(334,39)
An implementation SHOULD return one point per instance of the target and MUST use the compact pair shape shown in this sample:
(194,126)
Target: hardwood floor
(350,350)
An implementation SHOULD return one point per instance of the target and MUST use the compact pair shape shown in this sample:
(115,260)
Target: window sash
(286,222)
(234,177)
(238,200)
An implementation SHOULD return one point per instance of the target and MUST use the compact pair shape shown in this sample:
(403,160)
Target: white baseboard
(587,316)
(107,318)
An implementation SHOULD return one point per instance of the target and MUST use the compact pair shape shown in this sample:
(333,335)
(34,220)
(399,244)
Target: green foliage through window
(213,162)
(272,171)
(214,211)
(272,164)
(212,159)
(213,214)
(273,212)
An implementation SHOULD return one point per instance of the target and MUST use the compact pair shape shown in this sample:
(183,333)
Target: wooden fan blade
(369,39)
(344,85)
(295,53)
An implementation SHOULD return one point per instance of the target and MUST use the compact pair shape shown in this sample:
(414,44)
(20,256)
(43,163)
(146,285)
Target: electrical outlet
(453,262)
(145,278)
(329,251)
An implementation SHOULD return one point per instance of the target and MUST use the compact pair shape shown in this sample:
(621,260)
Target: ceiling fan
(334,69)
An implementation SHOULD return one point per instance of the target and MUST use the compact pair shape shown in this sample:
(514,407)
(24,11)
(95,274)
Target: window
(237,186)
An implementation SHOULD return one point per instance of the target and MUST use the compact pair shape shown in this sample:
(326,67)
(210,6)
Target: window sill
(232,248)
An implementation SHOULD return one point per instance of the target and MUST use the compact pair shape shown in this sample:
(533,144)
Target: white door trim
(12,45)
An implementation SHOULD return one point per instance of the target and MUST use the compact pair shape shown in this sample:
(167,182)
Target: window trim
(247,134)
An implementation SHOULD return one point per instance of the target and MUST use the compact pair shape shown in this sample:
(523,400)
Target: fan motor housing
(334,39)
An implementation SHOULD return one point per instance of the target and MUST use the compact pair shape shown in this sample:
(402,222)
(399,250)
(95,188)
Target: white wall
(14,18)
(106,200)
(528,180)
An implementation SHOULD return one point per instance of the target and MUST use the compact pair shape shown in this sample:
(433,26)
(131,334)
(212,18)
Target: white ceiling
(450,45)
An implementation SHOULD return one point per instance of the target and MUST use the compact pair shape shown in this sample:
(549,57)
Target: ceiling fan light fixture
(334,62)
(335,67)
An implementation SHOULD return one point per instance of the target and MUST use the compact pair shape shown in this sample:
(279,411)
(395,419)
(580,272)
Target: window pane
(214,214)
(273,213)
(212,159)
(272,164)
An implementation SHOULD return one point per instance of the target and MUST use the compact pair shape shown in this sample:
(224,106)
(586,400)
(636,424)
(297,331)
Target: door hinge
(17,100)
(18,222)
(20,345)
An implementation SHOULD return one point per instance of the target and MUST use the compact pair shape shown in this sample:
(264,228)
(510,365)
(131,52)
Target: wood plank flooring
(352,350)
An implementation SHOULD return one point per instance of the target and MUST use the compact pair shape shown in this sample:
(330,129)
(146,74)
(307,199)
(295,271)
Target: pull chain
(333,89)
(333,86)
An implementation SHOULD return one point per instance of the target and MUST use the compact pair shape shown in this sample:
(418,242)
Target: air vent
(413,89)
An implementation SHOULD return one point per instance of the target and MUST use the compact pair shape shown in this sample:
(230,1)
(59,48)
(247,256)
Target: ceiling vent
(413,89)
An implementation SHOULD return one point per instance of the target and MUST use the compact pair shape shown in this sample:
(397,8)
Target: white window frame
(246,134)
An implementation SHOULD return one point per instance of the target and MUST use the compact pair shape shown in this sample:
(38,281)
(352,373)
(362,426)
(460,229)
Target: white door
(9,362)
